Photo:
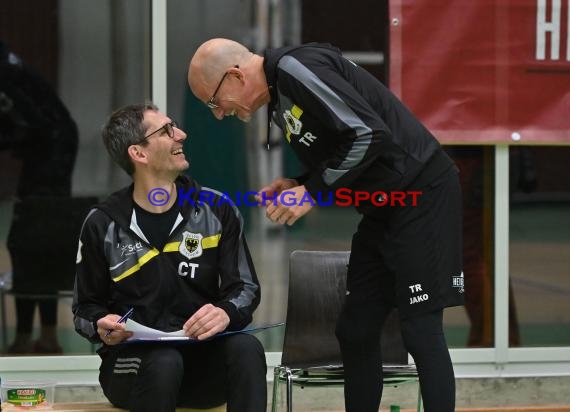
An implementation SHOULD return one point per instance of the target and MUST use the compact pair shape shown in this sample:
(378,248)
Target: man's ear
(137,154)
(237,72)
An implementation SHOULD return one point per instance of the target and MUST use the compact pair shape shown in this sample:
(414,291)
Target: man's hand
(294,204)
(109,323)
(206,322)
(267,194)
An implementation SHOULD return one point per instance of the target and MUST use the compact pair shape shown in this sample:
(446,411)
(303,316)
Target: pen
(122,319)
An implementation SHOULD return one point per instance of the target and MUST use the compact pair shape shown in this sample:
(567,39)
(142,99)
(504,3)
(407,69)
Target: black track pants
(159,377)
(358,332)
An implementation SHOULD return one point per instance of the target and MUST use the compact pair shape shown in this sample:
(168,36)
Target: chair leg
(289,389)
(276,373)
(420,406)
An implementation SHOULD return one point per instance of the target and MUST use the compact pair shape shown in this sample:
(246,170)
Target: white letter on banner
(542,27)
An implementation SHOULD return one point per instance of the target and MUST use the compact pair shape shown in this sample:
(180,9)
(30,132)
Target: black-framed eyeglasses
(210,103)
(168,128)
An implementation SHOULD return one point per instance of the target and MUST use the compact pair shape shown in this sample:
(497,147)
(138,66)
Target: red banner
(484,71)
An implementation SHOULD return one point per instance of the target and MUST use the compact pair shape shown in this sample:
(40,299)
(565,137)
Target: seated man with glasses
(180,264)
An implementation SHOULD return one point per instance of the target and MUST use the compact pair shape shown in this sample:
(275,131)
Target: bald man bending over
(352,133)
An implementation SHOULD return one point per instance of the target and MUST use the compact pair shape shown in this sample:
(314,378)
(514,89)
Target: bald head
(223,62)
(212,59)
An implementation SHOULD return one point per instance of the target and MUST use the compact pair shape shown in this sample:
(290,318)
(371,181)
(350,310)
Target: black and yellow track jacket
(206,260)
(347,129)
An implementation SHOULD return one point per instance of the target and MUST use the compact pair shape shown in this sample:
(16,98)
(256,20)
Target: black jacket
(206,260)
(345,126)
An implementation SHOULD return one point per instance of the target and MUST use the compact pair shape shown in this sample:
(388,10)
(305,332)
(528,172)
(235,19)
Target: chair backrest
(317,289)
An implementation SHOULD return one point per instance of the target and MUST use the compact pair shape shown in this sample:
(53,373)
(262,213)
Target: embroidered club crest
(292,123)
(191,245)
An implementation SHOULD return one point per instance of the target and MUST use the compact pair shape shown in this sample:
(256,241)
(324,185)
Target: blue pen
(121,320)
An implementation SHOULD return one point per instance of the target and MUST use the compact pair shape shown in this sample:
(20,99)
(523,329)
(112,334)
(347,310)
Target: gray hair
(125,128)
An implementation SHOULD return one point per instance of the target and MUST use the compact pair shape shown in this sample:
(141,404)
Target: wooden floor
(552,408)
(96,407)
(106,407)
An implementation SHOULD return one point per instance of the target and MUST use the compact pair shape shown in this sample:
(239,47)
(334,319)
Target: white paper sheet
(144,333)
(141,332)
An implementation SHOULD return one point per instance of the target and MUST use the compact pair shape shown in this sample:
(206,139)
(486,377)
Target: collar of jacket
(119,205)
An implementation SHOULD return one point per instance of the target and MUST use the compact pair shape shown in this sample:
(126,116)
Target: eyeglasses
(168,128)
(210,103)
